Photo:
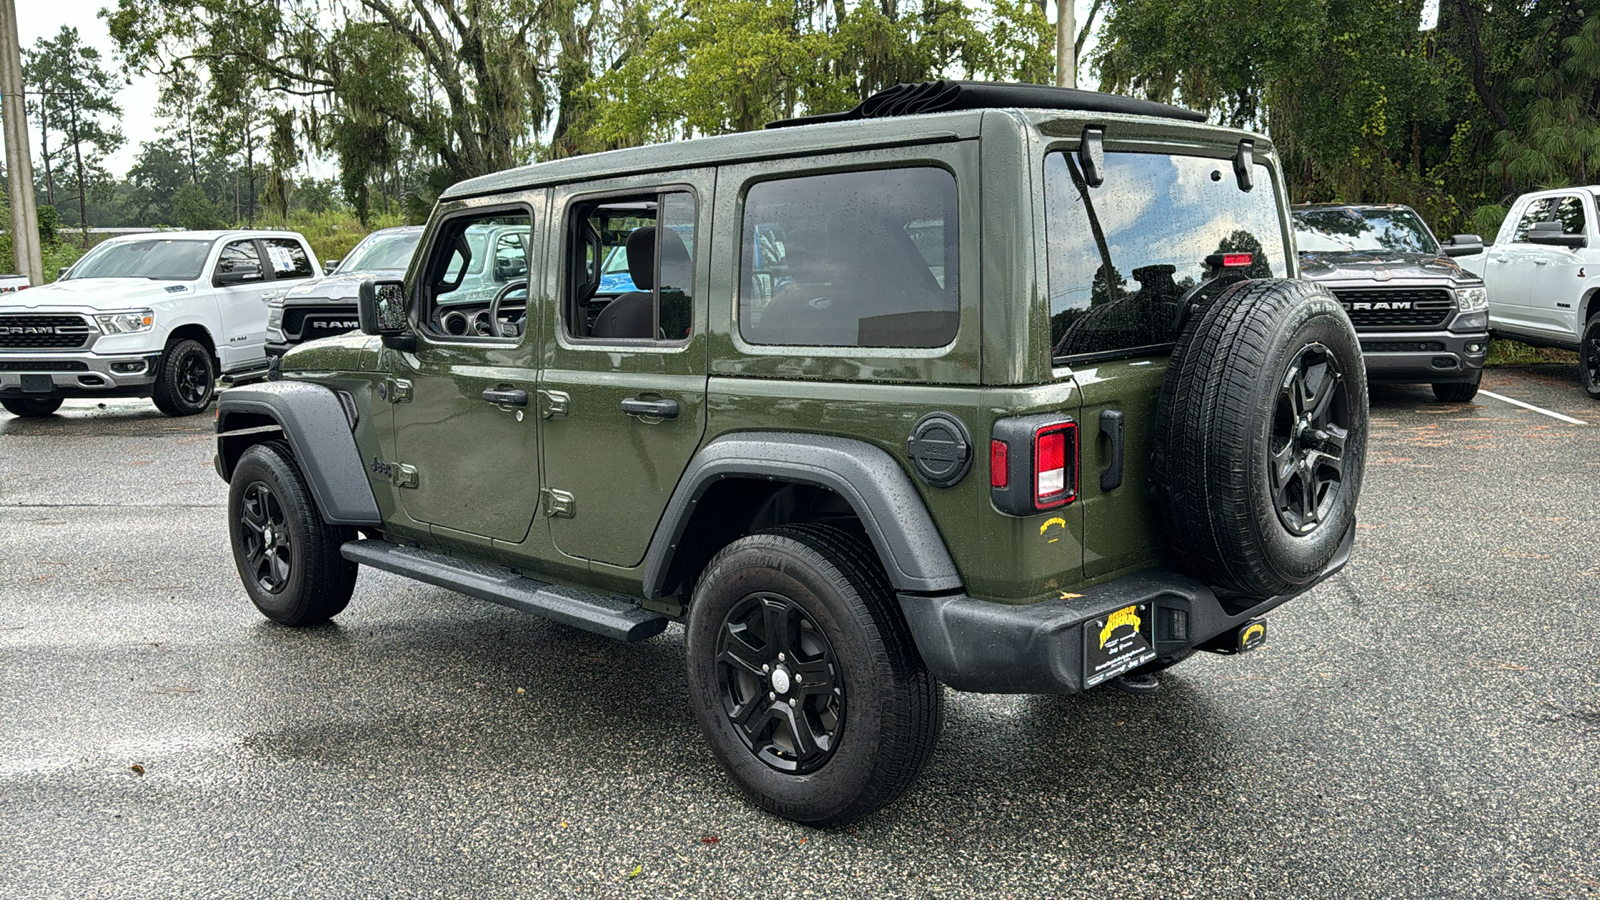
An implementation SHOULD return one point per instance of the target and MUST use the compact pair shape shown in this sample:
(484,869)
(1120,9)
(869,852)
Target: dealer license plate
(1117,642)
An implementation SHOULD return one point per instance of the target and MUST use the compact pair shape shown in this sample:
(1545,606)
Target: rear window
(852,259)
(1123,254)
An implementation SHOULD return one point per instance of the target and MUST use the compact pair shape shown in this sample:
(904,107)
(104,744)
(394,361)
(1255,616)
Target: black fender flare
(317,424)
(877,488)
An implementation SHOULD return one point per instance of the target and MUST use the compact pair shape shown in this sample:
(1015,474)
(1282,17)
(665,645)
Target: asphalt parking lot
(1426,724)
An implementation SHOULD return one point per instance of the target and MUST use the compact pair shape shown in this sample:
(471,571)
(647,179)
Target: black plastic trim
(995,648)
(318,430)
(867,477)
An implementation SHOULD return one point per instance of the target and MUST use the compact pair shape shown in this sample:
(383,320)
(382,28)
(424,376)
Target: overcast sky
(44,18)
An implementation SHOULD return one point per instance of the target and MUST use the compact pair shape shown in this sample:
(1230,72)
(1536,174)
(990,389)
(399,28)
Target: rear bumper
(993,648)
(1424,357)
(77,375)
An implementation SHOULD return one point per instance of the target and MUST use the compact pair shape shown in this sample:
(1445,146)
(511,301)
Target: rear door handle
(506,398)
(661,409)
(1111,427)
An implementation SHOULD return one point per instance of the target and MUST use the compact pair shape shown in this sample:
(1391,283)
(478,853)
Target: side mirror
(381,306)
(328,265)
(1551,235)
(1463,245)
(241,273)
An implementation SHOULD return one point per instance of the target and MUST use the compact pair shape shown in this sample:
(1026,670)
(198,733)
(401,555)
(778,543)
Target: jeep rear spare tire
(1261,437)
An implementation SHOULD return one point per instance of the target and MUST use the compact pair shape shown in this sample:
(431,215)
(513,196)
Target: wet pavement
(1426,724)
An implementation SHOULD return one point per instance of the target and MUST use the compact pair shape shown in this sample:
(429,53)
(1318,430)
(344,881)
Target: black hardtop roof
(949,96)
(834,134)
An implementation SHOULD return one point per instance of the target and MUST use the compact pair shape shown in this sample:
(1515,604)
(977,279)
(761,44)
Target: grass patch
(1503,352)
(336,232)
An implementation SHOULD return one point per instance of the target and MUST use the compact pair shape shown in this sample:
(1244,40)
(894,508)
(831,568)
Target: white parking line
(1537,409)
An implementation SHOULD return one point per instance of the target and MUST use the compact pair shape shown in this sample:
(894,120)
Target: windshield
(161,260)
(1393,230)
(381,252)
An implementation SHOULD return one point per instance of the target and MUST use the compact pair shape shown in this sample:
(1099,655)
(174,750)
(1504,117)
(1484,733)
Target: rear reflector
(999,464)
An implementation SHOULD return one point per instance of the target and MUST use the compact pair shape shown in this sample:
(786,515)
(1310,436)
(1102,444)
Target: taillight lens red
(1237,260)
(1053,484)
(999,464)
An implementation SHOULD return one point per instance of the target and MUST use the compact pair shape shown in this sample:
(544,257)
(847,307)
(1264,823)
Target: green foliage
(334,233)
(193,210)
(76,113)
(1456,121)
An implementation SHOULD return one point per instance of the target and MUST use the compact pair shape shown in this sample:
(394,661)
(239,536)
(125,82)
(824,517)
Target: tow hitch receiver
(1242,639)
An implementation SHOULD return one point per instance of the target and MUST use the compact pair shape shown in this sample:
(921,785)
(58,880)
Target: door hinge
(558,504)
(395,390)
(405,476)
(553,403)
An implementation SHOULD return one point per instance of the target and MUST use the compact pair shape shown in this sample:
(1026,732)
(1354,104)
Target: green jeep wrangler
(1003,387)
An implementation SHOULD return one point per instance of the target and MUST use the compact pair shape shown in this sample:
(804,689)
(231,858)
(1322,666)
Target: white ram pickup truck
(150,315)
(1543,275)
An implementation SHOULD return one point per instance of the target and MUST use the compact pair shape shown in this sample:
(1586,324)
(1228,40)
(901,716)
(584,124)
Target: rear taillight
(1051,485)
(1033,464)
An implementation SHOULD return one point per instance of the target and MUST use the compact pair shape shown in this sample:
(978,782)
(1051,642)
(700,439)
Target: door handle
(1111,427)
(661,409)
(506,398)
(1541,262)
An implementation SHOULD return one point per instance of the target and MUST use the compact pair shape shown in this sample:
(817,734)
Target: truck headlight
(127,322)
(1472,299)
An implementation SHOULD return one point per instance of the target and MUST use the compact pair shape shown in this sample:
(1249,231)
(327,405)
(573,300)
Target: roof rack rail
(946,96)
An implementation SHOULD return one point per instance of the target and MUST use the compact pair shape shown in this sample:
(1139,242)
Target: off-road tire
(286,555)
(186,379)
(889,708)
(1589,357)
(1457,392)
(1222,421)
(30,407)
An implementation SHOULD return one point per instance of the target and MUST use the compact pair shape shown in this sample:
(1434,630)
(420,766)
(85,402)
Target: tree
(76,96)
(468,83)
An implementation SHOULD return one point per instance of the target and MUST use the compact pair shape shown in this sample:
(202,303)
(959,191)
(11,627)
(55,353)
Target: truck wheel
(287,557)
(1457,392)
(185,379)
(31,407)
(1589,357)
(1261,437)
(804,676)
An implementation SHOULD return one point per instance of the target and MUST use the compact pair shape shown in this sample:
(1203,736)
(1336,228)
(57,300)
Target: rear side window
(289,259)
(852,259)
(1123,254)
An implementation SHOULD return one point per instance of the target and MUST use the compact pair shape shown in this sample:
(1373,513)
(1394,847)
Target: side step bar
(609,616)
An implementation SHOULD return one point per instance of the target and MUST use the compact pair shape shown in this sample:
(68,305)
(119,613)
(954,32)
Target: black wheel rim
(265,539)
(781,684)
(1591,358)
(194,379)
(1310,428)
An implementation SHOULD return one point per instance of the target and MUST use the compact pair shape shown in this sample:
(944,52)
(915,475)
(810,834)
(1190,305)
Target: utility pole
(19,163)
(1066,45)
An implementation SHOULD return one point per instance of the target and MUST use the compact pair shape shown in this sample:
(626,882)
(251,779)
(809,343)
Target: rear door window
(289,259)
(1123,254)
(851,259)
